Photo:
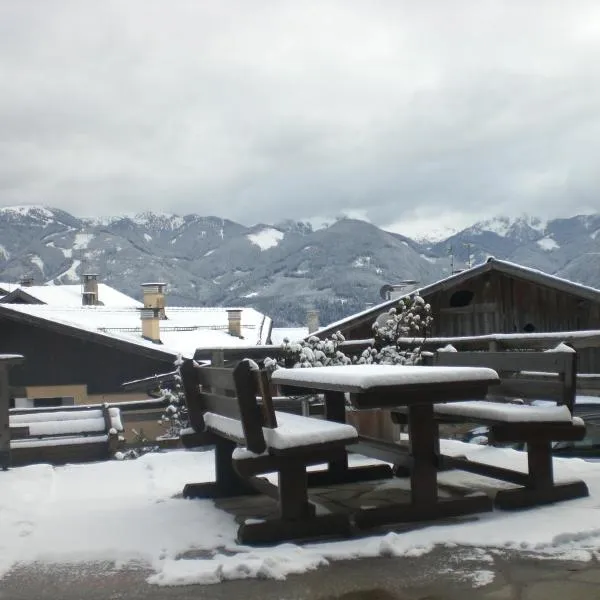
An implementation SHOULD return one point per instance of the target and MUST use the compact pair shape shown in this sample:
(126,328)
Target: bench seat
(292,431)
(486,410)
(68,435)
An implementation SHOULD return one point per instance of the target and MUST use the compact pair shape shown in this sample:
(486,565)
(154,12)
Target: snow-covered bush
(313,352)
(411,318)
(175,416)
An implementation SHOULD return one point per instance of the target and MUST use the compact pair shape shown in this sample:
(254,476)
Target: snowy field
(127,512)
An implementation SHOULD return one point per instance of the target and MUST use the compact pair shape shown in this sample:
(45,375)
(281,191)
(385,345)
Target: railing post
(217,358)
(6,361)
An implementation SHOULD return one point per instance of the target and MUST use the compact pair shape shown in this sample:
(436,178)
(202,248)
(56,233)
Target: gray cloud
(258,111)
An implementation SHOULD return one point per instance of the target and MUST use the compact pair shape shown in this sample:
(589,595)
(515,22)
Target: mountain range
(281,269)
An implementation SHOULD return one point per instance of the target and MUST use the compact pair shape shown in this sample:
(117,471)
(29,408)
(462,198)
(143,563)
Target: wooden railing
(587,344)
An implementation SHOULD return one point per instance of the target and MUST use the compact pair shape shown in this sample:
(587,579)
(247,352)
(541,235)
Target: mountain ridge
(284,268)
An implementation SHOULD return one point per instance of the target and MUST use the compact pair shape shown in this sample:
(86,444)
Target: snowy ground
(128,512)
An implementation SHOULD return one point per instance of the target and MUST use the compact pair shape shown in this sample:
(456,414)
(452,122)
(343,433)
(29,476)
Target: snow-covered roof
(7,287)
(491,263)
(184,330)
(278,334)
(70,296)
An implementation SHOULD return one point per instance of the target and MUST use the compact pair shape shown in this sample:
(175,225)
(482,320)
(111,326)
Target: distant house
(494,297)
(83,353)
(90,292)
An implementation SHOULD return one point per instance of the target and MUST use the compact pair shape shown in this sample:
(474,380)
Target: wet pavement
(445,573)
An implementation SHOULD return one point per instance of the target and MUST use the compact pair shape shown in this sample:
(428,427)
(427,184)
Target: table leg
(424,503)
(335,410)
(422,447)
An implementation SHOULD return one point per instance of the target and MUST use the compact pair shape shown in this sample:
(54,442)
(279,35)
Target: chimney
(154,297)
(151,324)
(312,317)
(234,319)
(26,282)
(90,290)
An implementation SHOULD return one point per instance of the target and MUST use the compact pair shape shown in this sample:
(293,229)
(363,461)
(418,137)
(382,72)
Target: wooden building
(497,297)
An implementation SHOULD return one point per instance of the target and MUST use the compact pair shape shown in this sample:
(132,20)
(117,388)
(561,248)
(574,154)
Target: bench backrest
(533,375)
(241,393)
(64,422)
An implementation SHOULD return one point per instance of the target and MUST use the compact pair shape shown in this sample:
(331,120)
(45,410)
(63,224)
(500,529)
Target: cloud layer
(257,111)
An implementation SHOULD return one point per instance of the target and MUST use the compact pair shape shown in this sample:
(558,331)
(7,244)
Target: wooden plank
(4,422)
(525,497)
(535,431)
(19,432)
(390,397)
(268,411)
(221,405)
(529,388)
(406,513)
(553,362)
(217,378)
(191,390)
(280,530)
(247,387)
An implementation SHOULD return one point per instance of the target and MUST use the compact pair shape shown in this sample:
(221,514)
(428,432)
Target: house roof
(68,295)
(184,330)
(278,334)
(491,264)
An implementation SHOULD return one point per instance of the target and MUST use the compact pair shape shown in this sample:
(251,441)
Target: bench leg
(228,482)
(540,488)
(297,519)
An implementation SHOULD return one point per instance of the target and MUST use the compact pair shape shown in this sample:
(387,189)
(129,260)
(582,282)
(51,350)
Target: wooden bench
(63,434)
(232,410)
(511,418)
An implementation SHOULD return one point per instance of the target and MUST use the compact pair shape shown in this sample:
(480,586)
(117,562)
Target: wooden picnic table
(388,386)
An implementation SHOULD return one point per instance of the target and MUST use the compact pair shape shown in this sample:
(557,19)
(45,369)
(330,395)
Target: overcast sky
(401,112)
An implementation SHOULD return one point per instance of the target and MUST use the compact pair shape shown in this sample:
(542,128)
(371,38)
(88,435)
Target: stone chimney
(234,320)
(26,282)
(151,324)
(90,290)
(154,297)
(312,318)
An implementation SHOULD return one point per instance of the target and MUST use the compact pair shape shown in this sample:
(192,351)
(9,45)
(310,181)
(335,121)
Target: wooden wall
(55,359)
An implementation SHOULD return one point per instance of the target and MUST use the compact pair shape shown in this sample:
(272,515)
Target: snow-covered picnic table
(417,388)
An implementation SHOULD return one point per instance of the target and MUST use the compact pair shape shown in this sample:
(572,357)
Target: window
(47,402)
(461,298)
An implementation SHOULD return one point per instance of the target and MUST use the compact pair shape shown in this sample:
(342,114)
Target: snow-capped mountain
(282,269)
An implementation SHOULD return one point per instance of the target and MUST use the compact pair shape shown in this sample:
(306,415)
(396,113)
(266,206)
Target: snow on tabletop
(368,376)
(482,409)
(132,512)
(292,430)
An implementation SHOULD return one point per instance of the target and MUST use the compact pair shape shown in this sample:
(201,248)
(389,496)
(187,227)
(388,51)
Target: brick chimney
(234,321)
(151,324)
(154,297)
(312,318)
(90,290)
